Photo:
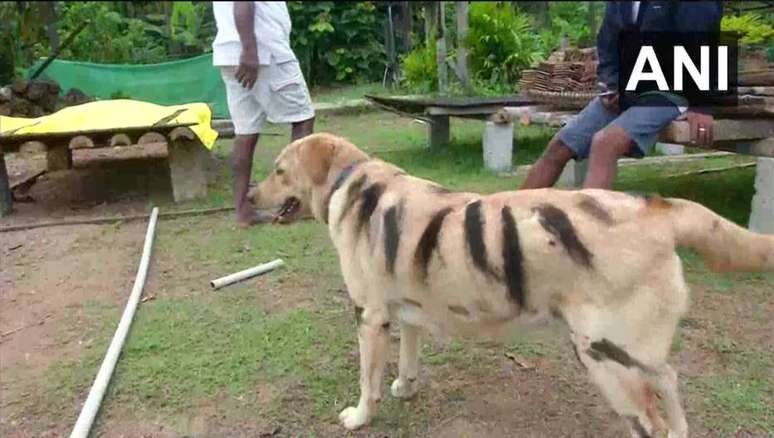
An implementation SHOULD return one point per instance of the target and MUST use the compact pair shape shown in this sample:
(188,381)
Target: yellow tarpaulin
(115,115)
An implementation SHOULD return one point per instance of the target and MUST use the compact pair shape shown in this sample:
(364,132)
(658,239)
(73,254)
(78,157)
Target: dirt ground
(50,276)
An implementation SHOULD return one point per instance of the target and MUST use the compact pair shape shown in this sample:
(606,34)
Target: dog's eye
(279,171)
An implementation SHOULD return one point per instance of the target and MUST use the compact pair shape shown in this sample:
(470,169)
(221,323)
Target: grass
(191,344)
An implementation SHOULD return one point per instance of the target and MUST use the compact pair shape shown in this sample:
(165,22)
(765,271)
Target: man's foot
(254,218)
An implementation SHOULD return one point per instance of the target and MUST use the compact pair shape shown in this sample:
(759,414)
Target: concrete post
(762,214)
(574,174)
(498,146)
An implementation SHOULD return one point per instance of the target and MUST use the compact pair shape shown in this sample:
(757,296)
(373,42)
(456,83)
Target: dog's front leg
(373,336)
(405,386)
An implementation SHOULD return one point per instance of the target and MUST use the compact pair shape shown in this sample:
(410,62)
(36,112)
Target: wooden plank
(724,130)
(483,110)
(762,90)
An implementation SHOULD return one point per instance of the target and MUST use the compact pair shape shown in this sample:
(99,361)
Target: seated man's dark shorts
(641,121)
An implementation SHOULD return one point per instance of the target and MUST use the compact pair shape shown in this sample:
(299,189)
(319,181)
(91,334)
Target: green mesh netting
(169,83)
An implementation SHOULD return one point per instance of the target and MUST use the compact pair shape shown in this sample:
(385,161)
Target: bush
(752,29)
(420,72)
(501,43)
(338,41)
(110,37)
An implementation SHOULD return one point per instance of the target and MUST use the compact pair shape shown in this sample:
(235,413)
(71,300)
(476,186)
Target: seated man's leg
(632,133)
(572,141)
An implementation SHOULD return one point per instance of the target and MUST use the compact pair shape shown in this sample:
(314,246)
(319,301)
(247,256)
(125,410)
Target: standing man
(610,127)
(263,82)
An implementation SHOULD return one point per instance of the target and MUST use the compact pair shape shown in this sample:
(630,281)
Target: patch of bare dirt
(49,277)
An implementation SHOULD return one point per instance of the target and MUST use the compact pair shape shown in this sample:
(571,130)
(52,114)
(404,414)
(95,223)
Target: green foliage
(115,36)
(501,43)
(338,41)
(420,73)
(109,37)
(21,38)
(751,27)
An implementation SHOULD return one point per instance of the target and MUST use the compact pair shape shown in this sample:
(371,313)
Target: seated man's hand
(701,128)
(610,102)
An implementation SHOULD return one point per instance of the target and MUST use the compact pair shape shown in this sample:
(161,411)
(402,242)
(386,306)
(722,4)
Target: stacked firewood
(567,70)
(35,98)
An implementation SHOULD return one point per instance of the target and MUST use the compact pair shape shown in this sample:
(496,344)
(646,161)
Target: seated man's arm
(700,16)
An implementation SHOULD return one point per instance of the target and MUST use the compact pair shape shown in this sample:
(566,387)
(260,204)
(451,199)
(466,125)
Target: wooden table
(187,155)
(436,111)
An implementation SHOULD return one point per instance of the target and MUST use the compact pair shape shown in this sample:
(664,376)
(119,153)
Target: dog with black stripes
(454,263)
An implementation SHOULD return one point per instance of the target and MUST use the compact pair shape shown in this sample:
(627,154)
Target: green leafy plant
(419,67)
(501,43)
(751,27)
(109,37)
(338,41)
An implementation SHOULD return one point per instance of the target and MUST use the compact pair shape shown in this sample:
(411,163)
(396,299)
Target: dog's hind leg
(373,337)
(405,386)
(622,382)
(665,382)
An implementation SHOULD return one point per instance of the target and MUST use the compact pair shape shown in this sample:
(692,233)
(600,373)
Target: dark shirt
(653,16)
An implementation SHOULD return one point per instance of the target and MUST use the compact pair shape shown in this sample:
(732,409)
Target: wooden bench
(187,155)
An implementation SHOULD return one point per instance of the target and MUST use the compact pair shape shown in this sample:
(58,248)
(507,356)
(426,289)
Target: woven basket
(565,100)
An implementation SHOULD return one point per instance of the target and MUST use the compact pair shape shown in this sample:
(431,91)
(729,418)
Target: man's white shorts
(279,95)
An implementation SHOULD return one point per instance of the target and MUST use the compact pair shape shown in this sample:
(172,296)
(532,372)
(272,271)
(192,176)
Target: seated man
(605,130)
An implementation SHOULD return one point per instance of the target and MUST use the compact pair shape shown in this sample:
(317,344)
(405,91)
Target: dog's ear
(316,156)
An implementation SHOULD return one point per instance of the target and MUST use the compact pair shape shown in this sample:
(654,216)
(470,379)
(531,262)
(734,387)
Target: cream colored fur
(621,299)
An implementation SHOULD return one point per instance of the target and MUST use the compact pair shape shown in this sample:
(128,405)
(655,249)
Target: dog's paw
(403,388)
(352,418)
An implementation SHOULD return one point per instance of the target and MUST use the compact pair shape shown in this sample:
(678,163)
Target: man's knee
(557,152)
(612,142)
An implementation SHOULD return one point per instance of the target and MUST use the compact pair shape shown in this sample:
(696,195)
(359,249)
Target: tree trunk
(429,11)
(440,48)
(404,25)
(48,16)
(389,42)
(462,50)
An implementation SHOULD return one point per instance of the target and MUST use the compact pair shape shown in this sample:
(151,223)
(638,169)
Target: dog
(457,263)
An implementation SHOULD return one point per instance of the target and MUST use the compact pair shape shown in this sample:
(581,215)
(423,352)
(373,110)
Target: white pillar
(498,146)
(574,174)
(762,214)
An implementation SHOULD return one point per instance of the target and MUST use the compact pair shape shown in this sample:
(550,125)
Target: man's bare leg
(242,166)
(546,171)
(606,147)
(302,129)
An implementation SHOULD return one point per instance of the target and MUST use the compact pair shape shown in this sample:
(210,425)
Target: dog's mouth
(287,210)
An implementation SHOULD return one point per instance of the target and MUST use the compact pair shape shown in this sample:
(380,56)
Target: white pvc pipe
(247,273)
(91,407)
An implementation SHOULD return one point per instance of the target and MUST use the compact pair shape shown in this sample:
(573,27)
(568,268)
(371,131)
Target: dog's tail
(725,246)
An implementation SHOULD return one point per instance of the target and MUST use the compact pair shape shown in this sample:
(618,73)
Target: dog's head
(299,183)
